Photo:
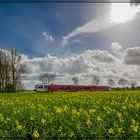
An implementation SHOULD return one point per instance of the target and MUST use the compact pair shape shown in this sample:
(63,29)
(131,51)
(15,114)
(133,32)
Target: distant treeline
(126,88)
(11,69)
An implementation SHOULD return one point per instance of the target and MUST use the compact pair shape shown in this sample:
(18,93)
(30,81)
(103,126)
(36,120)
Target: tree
(11,69)
(111,82)
(133,84)
(96,80)
(123,82)
(5,71)
(18,67)
(75,80)
(47,78)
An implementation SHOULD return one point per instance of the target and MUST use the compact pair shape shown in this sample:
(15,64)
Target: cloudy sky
(69,39)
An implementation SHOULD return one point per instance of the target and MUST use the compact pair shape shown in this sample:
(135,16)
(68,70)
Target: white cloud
(48,37)
(117,49)
(132,56)
(101,56)
(95,25)
(115,46)
(112,18)
(84,65)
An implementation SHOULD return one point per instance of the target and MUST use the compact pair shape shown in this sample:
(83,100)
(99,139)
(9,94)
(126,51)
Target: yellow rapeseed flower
(98,118)
(124,107)
(35,134)
(134,128)
(19,127)
(119,114)
(43,121)
(58,110)
(78,126)
(108,112)
(120,130)
(31,118)
(8,119)
(92,111)
(88,122)
(65,108)
(16,122)
(133,121)
(110,131)
(80,110)
(74,112)
(71,134)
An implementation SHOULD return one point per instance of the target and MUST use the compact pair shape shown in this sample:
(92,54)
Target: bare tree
(133,84)
(96,80)
(47,78)
(18,67)
(123,82)
(11,69)
(5,71)
(111,82)
(75,80)
(1,70)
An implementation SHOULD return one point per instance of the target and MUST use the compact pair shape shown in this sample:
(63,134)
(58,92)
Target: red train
(69,88)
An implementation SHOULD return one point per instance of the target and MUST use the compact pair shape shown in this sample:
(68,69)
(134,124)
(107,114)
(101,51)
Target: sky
(74,39)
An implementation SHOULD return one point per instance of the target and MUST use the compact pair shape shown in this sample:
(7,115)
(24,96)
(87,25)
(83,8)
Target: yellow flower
(124,107)
(98,118)
(31,118)
(92,111)
(88,122)
(119,114)
(110,131)
(108,112)
(19,126)
(43,121)
(7,120)
(71,134)
(78,126)
(16,122)
(134,128)
(35,134)
(65,108)
(115,124)
(120,130)
(58,110)
(80,110)
(133,121)
(74,111)
(32,107)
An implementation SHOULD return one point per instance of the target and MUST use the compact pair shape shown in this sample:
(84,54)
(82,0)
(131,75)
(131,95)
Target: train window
(40,87)
(45,86)
(36,86)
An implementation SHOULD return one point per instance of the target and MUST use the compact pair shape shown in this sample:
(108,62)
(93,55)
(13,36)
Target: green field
(70,115)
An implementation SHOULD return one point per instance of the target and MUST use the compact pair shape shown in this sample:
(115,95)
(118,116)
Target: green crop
(85,115)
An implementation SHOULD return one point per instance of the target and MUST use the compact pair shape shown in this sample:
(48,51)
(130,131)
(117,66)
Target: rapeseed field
(85,115)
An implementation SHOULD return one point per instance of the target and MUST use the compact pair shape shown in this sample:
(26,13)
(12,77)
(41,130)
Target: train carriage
(68,88)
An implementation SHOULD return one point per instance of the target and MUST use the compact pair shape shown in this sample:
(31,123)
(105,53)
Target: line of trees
(47,78)
(110,82)
(11,69)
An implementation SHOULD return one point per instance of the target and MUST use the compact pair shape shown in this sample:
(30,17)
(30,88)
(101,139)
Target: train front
(41,87)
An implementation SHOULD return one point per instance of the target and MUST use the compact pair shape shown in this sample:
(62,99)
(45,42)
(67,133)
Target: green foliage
(70,115)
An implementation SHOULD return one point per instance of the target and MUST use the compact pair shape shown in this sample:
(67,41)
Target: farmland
(70,115)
